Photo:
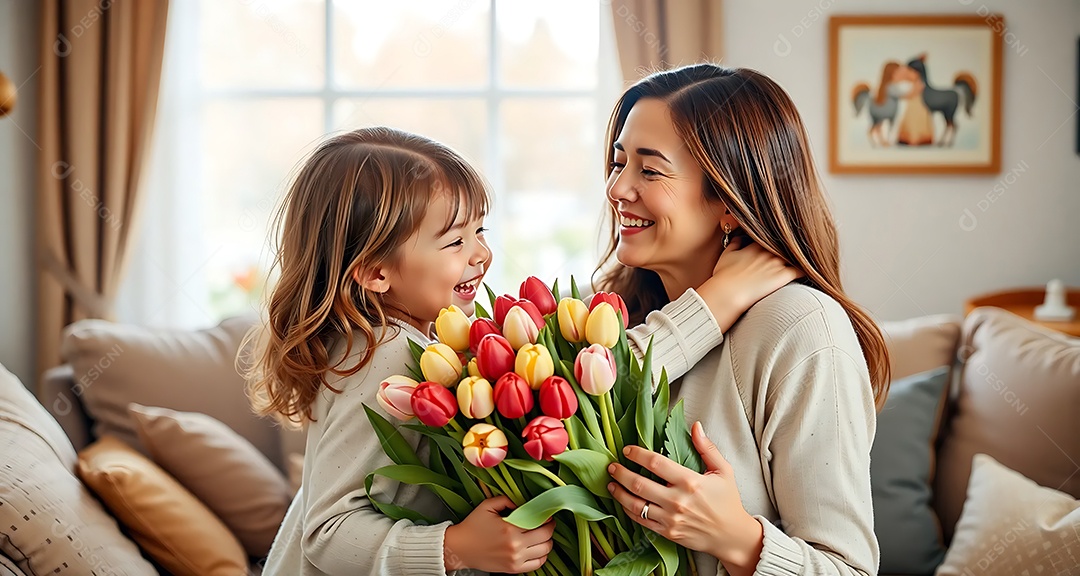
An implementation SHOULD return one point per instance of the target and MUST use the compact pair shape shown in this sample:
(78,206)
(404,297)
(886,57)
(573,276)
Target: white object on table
(1054,309)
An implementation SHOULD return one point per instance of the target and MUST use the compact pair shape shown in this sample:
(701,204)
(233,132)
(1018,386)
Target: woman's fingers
(634,506)
(638,484)
(658,464)
(540,534)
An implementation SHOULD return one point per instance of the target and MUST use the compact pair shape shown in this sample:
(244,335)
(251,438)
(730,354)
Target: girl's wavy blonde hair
(352,204)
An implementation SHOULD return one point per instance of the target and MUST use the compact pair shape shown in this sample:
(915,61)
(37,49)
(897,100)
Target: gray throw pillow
(901,469)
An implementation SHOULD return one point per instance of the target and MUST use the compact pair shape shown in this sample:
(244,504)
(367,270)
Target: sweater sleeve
(819,425)
(342,532)
(683,332)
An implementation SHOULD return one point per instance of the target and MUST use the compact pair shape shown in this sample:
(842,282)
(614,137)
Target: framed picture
(915,94)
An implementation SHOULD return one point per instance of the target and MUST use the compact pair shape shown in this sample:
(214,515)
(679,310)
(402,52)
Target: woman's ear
(373,279)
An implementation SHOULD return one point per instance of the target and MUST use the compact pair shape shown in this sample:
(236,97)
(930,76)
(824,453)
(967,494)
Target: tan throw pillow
(220,468)
(1017,401)
(167,521)
(1012,526)
(189,370)
(49,522)
(921,344)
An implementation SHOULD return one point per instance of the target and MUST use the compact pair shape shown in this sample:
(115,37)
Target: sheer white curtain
(165,285)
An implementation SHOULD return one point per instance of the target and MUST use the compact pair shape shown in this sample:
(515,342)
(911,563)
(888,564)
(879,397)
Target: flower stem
(504,488)
(570,435)
(693,565)
(551,476)
(558,566)
(602,541)
(455,426)
(605,414)
(501,469)
(584,546)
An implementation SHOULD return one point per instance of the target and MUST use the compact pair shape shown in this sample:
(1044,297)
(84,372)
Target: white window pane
(550,207)
(262,44)
(460,123)
(415,44)
(250,149)
(552,44)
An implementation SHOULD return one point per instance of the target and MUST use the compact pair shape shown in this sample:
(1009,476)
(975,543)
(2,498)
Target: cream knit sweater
(786,401)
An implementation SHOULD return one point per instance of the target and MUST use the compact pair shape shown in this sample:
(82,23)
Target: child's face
(435,270)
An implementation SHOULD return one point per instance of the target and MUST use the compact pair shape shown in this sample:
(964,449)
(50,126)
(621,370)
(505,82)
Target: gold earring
(727,234)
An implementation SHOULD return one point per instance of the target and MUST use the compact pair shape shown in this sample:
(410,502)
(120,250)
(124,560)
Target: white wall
(18,156)
(904,251)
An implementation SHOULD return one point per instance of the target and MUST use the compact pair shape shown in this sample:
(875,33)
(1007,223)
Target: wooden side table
(1022,302)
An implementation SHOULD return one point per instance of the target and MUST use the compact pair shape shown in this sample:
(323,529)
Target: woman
(698,156)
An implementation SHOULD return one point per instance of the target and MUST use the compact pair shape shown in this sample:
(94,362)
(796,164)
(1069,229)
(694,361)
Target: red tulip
(557,398)
(545,437)
(533,310)
(534,290)
(494,357)
(480,328)
(513,397)
(503,304)
(434,404)
(616,302)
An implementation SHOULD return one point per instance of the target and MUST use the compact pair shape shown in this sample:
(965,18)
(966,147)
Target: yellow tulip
(475,398)
(452,328)
(474,368)
(441,364)
(573,314)
(534,364)
(603,326)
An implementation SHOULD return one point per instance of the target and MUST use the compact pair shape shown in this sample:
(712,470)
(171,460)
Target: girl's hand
(699,511)
(744,274)
(485,541)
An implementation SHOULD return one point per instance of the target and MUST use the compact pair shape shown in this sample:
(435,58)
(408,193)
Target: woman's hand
(699,511)
(744,274)
(485,541)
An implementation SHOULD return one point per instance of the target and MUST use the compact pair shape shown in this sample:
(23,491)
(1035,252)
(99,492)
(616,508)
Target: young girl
(380,230)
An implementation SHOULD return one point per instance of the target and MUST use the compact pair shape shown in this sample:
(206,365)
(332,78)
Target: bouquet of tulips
(535,402)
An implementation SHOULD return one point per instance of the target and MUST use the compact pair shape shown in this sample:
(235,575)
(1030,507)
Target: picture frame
(914,94)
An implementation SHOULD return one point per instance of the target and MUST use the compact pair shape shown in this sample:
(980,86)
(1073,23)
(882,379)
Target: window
(522,90)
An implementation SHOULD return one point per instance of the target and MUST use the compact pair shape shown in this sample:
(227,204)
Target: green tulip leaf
(574,292)
(586,408)
(491,296)
(455,454)
(668,550)
(443,486)
(415,373)
(555,290)
(586,440)
(416,350)
(645,413)
(393,511)
(678,446)
(628,423)
(394,444)
(572,498)
(660,407)
(631,563)
(482,312)
(590,467)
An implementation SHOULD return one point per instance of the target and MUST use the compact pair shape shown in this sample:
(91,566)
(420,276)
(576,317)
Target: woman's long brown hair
(353,203)
(749,140)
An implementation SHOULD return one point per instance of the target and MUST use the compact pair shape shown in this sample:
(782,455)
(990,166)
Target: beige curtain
(100,70)
(659,34)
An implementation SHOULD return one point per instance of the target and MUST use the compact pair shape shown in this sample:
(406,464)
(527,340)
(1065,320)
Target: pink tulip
(545,437)
(434,404)
(494,357)
(534,290)
(595,370)
(513,397)
(522,324)
(616,302)
(485,445)
(557,398)
(480,328)
(395,396)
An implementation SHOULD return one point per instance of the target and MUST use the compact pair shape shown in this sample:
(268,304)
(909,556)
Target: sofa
(980,407)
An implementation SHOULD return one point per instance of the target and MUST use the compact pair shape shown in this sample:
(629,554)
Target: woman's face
(657,190)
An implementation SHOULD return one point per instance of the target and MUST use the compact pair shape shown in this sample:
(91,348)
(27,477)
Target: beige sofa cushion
(167,521)
(1012,526)
(191,371)
(921,344)
(49,522)
(222,470)
(1017,402)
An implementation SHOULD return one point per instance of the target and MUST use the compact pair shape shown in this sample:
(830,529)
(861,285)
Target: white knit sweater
(793,359)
